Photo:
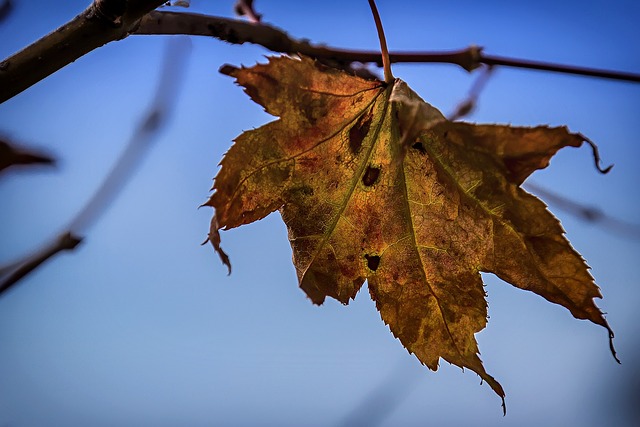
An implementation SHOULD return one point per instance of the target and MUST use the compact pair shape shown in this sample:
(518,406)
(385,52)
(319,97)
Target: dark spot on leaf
(418,146)
(312,107)
(446,134)
(359,131)
(373,262)
(370,176)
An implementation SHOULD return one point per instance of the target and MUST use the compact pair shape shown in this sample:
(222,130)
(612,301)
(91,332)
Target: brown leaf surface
(374,184)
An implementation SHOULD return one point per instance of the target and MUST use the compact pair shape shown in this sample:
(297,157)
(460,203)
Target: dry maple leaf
(375,184)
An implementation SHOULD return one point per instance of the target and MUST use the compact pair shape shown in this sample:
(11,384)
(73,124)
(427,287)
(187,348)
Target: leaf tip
(214,238)
(228,70)
(596,155)
(611,346)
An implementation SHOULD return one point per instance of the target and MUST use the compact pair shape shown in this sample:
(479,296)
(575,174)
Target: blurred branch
(469,104)
(276,40)
(141,141)
(64,242)
(102,22)
(5,9)
(380,402)
(245,8)
(587,213)
(12,155)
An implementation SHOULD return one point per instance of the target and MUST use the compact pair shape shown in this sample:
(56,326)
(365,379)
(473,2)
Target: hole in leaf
(418,146)
(373,262)
(370,176)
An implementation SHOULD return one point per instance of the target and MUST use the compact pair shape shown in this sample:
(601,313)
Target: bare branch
(469,104)
(143,137)
(102,22)
(64,242)
(141,141)
(12,155)
(276,40)
(559,68)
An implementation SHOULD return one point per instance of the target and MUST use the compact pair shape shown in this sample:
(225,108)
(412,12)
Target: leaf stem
(386,64)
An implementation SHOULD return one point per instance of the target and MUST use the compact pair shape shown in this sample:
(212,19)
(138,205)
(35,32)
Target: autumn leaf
(375,184)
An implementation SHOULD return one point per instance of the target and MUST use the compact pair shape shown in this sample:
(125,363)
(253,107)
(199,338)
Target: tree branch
(65,241)
(102,22)
(142,139)
(12,155)
(276,40)
(108,20)
(587,213)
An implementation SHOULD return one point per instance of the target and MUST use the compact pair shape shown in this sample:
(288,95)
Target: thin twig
(276,40)
(138,147)
(469,104)
(380,402)
(143,137)
(495,60)
(5,9)
(587,213)
(12,155)
(64,242)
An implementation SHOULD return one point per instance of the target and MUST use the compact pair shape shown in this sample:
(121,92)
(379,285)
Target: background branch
(141,141)
(12,155)
(5,9)
(587,213)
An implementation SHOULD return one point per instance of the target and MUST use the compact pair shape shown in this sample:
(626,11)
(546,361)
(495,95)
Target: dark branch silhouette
(109,20)
(102,22)
(12,155)
(277,40)
(5,9)
(141,141)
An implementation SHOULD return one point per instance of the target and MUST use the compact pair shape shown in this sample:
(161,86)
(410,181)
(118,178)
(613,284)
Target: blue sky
(142,326)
